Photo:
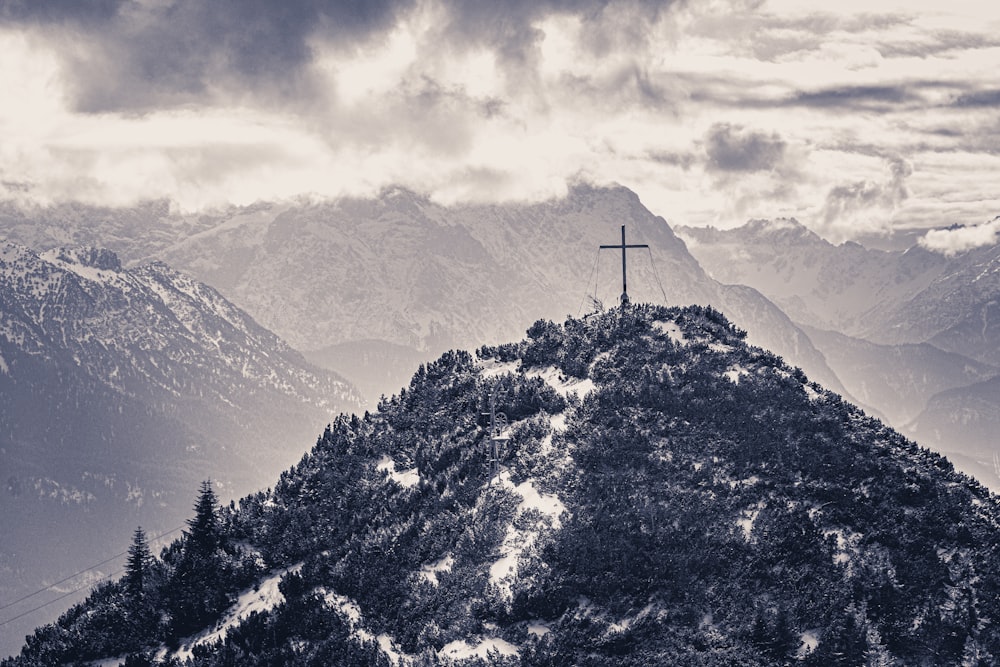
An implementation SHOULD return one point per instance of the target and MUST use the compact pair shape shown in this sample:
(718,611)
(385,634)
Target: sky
(855,117)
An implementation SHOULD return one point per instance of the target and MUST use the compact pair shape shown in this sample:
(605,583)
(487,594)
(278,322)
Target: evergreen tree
(137,567)
(200,580)
(204,535)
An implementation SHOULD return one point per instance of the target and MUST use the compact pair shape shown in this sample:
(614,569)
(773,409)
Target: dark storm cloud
(507,25)
(135,56)
(58,11)
(733,148)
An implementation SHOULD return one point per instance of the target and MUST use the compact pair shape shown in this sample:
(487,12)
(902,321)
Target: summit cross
(623,247)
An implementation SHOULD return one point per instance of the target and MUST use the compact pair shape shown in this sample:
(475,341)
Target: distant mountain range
(371,287)
(120,390)
(401,278)
(664,494)
(914,333)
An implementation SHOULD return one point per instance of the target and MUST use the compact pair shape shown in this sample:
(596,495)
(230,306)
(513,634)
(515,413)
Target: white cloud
(959,239)
(819,103)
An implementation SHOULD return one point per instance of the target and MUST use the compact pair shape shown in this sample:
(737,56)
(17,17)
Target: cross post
(623,247)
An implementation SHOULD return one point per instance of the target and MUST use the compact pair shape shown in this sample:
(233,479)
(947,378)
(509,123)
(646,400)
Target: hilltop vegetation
(668,495)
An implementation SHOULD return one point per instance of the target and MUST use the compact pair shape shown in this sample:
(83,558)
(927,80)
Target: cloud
(980,98)
(959,238)
(139,56)
(846,203)
(856,97)
(710,109)
(733,148)
(145,55)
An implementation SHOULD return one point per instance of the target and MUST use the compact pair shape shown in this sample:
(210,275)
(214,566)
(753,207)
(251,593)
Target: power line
(657,276)
(73,576)
(593,271)
(61,597)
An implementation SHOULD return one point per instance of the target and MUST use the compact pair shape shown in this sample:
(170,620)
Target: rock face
(120,390)
(663,494)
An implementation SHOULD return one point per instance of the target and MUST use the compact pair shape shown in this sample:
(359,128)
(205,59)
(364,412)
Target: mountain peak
(660,493)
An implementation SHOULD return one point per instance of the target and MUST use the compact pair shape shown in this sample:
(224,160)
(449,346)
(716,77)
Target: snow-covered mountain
(121,389)
(663,494)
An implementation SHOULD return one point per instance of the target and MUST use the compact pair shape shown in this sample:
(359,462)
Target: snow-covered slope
(119,391)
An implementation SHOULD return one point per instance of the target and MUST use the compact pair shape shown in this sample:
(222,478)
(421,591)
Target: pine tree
(137,567)
(204,535)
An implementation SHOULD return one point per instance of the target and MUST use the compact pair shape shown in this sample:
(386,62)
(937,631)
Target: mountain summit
(662,493)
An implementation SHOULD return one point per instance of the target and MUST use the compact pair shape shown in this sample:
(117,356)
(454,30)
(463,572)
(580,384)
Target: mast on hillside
(497,446)
(624,246)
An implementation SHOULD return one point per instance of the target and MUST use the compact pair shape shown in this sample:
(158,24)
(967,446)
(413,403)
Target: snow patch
(809,642)
(624,624)
(350,610)
(492,368)
(67,260)
(264,597)
(430,570)
(720,347)
(558,422)
(672,330)
(4,368)
(735,372)
(347,607)
(538,628)
(503,571)
(847,544)
(563,386)
(462,650)
(811,393)
(746,521)
(546,503)
(405,478)
(108,662)
(388,646)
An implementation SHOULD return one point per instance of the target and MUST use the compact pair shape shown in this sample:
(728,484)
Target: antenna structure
(497,446)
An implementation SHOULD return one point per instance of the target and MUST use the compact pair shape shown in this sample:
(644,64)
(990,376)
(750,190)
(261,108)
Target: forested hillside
(666,495)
